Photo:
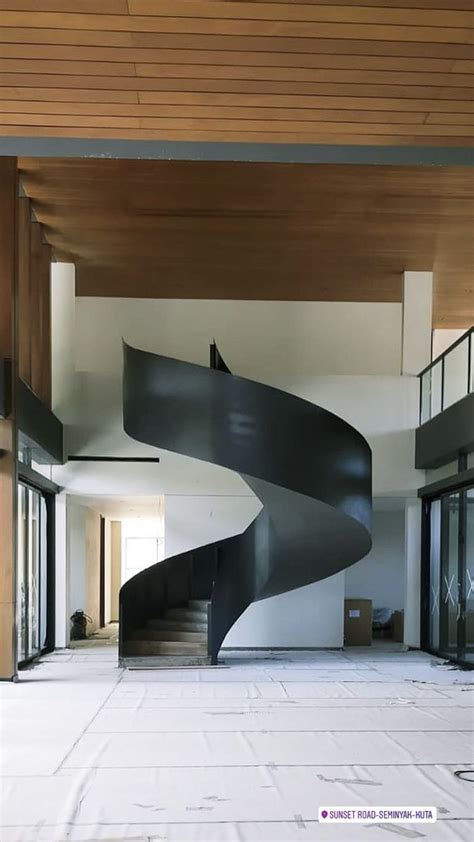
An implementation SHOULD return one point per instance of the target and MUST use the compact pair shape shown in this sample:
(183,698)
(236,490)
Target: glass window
(436,388)
(141,553)
(456,374)
(425,403)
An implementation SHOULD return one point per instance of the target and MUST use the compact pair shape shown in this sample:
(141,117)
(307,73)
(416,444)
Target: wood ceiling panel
(259,231)
(243,26)
(331,55)
(227,44)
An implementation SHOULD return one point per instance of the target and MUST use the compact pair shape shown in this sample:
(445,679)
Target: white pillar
(63,303)
(417,321)
(412,572)
(61,578)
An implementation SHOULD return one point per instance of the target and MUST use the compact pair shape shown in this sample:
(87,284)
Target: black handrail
(457,342)
(441,358)
(310,469)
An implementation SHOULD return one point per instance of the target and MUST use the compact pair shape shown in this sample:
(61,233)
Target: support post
(413,522)
(417,321)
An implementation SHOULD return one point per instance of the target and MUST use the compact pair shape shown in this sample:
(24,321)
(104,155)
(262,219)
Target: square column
(417,321)
(411,634)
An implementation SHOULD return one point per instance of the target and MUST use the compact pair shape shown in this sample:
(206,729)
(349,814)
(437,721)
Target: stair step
(164,662)
(198,604)
(164,647)
(187,615)
(169,634)
(176,625)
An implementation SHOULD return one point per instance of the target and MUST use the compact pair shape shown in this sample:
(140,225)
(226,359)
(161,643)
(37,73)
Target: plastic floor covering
(247,751)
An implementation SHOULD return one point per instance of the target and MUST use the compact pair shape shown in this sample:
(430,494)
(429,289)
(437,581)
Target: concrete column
(63,302)
(116,567)
(417,321)
(61,579)
(412,572)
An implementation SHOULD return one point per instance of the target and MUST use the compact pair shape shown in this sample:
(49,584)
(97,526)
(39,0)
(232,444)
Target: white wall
(443,338)
(380,576)
(256,337)
(192,521)
(311,616)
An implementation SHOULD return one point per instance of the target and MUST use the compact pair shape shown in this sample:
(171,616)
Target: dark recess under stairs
(178,638)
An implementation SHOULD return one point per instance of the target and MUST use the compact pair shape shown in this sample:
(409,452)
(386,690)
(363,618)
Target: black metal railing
(448,378)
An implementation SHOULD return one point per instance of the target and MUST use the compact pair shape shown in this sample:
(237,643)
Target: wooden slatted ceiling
(339,72)
(170,229)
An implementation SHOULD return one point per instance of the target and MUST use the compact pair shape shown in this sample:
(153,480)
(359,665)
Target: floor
(246,751)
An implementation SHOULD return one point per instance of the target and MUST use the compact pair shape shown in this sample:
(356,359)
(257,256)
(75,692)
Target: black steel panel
(440,440)
(5,388)
(38,427)
(310,469)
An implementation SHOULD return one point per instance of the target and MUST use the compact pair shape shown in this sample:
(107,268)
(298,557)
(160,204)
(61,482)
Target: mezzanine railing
(448,378)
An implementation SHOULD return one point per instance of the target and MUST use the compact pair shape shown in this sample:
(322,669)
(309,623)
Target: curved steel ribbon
(309,468)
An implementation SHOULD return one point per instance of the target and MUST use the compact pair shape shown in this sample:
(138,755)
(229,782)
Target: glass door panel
(450,584)
(33,571)
(435,571)
(32,591)
(21,572)
(468,613)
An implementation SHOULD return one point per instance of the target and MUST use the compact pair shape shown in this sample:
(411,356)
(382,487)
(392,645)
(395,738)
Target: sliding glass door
(468,608)
(450,603)
(32,590)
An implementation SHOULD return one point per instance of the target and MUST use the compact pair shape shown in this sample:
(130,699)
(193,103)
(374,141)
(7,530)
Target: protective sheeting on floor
(247,752)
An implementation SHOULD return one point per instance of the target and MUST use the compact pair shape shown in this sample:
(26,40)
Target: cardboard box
(357,622)
(397,626)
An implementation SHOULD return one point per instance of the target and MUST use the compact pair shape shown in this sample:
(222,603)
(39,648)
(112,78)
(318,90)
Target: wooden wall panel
(117,53)
(8,435)
(24,290)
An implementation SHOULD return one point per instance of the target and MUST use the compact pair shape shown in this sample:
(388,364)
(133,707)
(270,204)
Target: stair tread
(186,612)
(172,647)
(169,634)
(164,661)
(177,625)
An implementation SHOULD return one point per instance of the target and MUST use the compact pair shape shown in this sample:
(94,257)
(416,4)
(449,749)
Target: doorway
(33,585)
(449,573)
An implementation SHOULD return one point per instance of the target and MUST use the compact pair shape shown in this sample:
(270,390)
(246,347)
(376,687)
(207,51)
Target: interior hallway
(246,751)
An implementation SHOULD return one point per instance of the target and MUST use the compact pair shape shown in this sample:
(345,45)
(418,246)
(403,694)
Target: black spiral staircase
(310,469)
